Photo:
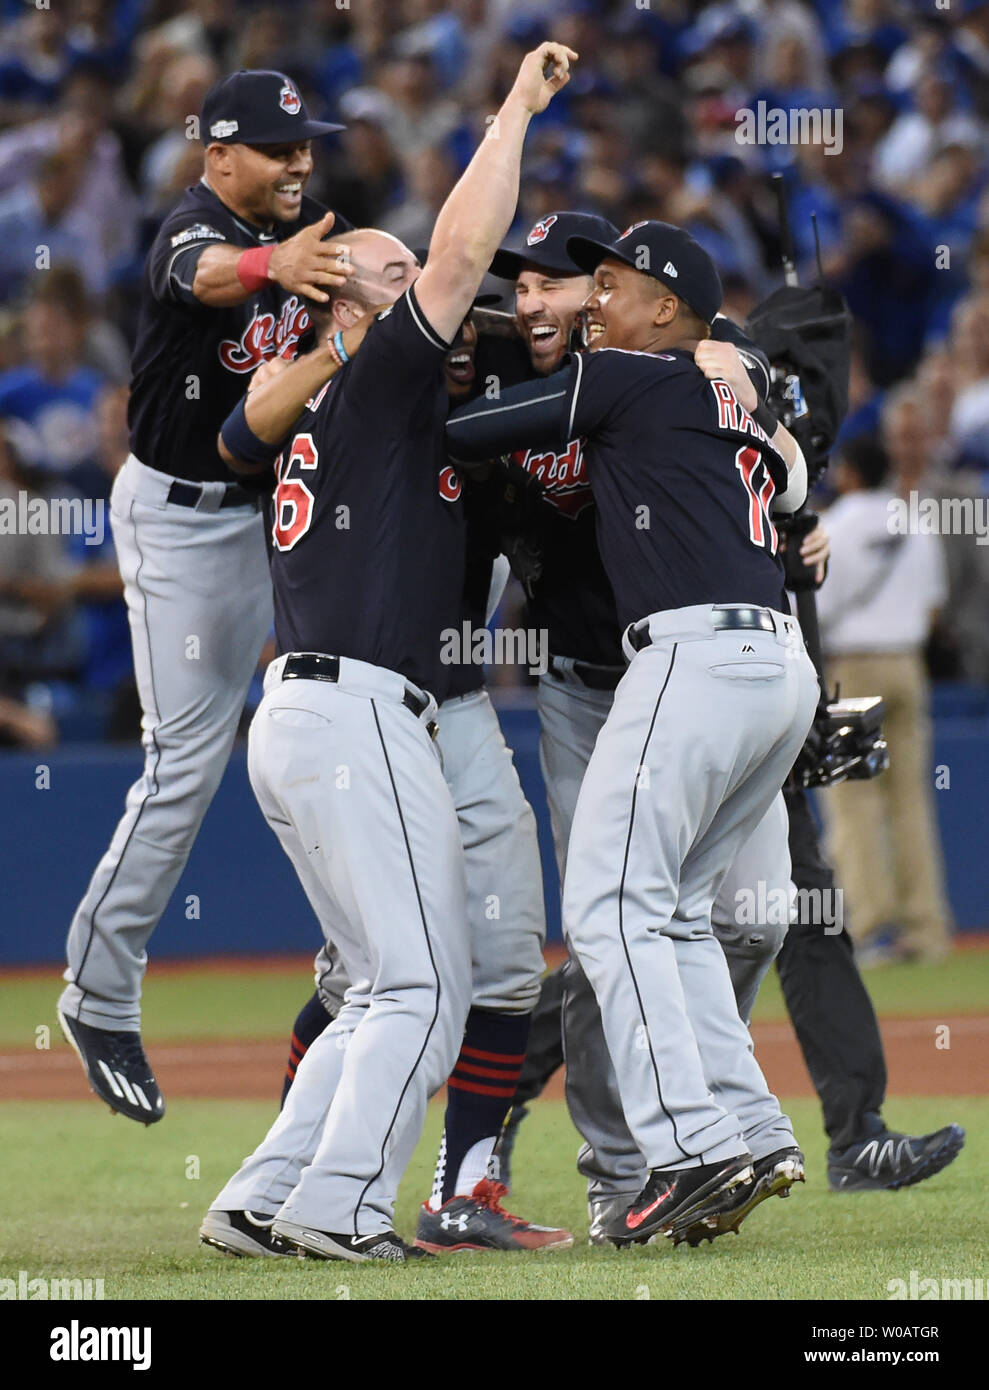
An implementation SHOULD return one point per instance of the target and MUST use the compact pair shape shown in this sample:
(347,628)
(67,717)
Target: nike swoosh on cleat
(635,1219)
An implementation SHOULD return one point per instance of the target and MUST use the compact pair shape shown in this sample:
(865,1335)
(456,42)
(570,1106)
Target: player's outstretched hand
(544,72)
(307,265)
(721,362)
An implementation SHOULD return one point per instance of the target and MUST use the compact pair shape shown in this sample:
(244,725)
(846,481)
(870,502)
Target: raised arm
(478,213)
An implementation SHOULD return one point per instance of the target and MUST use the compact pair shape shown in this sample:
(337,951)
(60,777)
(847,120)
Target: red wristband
(252,267)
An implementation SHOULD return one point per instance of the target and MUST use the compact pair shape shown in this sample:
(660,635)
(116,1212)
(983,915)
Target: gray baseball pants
(704,728)
(198,594)
(350,781)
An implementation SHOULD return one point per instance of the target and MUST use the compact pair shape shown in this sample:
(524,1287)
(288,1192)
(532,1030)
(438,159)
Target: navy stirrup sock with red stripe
(479,1094)
(312,1020)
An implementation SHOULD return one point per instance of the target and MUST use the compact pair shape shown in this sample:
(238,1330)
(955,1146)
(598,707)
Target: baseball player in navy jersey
(573,601)
(342,754)
(505,915)
(571,596)
(223,290)
(706,722)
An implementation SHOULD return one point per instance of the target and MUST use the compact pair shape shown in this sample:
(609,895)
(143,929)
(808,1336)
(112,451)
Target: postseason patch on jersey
(199,232)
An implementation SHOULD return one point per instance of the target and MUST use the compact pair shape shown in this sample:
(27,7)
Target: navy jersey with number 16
(368,538)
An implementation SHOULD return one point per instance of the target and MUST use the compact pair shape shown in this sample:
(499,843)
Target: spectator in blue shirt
(53,392)
(33,232)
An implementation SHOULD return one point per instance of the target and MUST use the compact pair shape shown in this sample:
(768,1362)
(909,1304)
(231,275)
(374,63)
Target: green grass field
(113,1201)
(256,1004)
(84,1195)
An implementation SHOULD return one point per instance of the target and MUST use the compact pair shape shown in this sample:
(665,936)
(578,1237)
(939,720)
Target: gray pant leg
(609,1159)
(570,720)
(266,1178)
(501,860)
(198,595)
(331,978)
(501,856)
(703,774)
(752,910)
(387,850)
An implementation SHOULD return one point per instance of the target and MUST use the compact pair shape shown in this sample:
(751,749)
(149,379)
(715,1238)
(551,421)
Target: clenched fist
(544,72)
(721,362)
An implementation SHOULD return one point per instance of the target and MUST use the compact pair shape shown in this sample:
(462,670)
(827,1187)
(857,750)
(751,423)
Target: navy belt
(594,677)
(313,666)
(190,495)
(722,620)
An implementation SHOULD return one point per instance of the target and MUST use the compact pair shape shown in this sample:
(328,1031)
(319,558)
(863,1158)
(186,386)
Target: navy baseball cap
(665,252)
(258,107)
(546,245)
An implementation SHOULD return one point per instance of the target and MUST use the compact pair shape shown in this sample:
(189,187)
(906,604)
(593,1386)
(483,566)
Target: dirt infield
(241,1069)
(918,1061)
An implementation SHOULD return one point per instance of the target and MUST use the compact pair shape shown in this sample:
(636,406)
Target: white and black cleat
(330,1245)
(117,1069)
(241,1233)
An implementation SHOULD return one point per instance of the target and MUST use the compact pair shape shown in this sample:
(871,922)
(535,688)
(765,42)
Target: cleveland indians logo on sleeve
(265,336)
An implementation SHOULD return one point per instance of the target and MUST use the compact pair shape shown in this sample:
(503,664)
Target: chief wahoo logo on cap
(540,231)
(289,99)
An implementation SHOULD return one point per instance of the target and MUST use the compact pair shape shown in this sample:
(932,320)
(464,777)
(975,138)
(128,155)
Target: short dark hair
(64,287)
(868,458)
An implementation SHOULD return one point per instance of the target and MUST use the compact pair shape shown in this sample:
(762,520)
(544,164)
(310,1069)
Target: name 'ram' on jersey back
(671,452)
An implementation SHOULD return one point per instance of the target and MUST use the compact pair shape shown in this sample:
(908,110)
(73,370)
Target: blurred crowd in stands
(98,100)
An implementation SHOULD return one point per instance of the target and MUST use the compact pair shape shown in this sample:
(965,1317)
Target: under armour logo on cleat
(454,1223)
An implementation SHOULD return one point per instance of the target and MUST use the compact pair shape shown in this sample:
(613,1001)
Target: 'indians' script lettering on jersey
(265,336)
(562,475)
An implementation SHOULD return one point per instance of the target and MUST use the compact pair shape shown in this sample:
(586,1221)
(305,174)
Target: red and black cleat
(480,1222)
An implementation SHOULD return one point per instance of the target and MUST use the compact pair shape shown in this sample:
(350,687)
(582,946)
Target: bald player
(342,752)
